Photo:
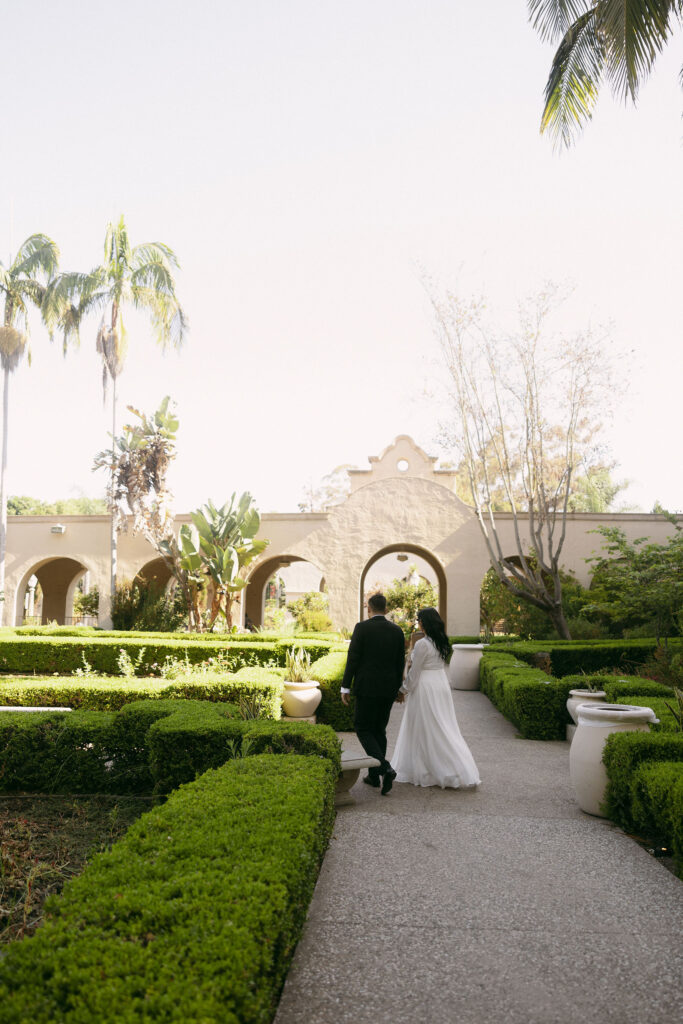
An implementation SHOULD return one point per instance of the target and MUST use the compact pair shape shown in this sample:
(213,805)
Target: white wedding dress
(430,749)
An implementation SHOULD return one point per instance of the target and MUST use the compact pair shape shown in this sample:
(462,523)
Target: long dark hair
(433,626)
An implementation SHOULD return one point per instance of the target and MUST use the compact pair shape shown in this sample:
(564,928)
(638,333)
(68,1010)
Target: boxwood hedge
(107,693)
(329,671)
(623,755)
(194,915)
(531,699)
(148,745)
(570,656)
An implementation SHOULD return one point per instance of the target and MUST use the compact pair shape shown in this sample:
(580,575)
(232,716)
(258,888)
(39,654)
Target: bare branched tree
(527,410)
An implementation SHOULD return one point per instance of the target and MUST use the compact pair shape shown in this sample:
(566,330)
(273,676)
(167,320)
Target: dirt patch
(45,841)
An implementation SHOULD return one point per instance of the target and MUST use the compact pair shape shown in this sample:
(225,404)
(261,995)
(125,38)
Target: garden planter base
(307,718)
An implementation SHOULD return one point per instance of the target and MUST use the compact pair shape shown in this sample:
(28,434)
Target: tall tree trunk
(560,623)
(113,536)
(3,493)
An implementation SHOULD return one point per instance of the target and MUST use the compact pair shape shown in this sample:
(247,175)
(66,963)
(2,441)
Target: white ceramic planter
(577,697)
(300,700)
(463,669)
(595,723)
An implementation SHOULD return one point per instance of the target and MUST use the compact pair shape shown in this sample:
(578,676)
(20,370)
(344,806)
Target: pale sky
(304,159)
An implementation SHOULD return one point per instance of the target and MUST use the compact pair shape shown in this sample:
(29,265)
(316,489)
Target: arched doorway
(54,580)
(156,570)
(284,577)
(426,565)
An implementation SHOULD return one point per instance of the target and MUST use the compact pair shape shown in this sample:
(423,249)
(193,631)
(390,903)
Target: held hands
(400,697)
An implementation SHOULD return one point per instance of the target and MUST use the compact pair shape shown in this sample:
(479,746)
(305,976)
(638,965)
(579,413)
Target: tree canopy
(613,40)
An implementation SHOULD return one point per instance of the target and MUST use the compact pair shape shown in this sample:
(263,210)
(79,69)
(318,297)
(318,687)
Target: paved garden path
(506,904)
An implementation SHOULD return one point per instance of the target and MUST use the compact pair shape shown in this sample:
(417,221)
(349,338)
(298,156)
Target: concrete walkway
(506,904)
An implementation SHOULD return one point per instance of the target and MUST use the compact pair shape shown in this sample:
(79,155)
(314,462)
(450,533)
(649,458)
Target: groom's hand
(346,698)
(400,697)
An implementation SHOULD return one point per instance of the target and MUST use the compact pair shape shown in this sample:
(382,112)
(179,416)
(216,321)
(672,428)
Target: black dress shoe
(371,780)
(388,781)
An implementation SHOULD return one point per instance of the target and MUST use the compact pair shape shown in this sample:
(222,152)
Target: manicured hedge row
(622,686)
(624,754)
(329,671)
(194,915)
(148,745)
(657,805)
(531,699)
(107,693)
(65,654)
(570,656)
(667,721)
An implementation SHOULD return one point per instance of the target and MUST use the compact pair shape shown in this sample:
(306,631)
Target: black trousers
(370,722)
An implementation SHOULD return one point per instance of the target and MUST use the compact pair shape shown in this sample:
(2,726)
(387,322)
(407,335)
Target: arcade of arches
(402,504)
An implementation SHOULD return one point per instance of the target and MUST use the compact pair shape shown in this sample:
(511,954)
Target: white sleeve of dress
(420,652)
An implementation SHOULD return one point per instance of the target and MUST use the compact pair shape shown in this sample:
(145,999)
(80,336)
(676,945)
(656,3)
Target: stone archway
(255,590)
(57,578)
(156,570)
(414,549)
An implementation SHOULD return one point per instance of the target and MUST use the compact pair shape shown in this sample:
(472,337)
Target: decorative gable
(400,460)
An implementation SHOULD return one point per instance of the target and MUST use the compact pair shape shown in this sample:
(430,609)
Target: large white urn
(577,697)
(595,723)
(300,700)
(463,668)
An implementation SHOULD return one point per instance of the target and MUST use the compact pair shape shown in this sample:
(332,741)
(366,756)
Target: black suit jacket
(376,659)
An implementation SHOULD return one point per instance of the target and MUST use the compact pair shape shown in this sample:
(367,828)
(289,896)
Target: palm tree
(619,40)
(22,284)
(138,276)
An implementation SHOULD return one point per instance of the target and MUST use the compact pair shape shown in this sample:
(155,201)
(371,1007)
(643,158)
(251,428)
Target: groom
(375,667)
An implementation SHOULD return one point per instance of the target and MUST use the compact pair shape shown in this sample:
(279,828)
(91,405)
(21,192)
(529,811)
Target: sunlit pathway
(507,904)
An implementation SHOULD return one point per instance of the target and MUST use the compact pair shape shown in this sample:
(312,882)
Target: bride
(430,750)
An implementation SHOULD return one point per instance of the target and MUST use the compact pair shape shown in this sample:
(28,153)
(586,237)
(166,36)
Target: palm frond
(573,84)
(154,252)
(634,33)
(552,18)
(37,255)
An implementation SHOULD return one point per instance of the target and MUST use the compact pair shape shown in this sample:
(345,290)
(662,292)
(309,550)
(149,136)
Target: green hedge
(194,915)
(571,656)
(148,745)
(529,698)
(624,753)
(65,654)
(329,671)
(657,805)
(106,693)
(667,721)
(622,686)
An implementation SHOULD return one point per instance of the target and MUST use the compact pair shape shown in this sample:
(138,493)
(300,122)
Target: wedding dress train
(430,749)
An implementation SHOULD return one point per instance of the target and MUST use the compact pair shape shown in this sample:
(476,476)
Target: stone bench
(351,767)
(9,707)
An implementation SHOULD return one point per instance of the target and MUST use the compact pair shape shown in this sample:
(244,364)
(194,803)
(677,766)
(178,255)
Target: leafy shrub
(657,805)
(102,693)
(310,612)
(64,654)
(667,721)
(531,699)
(570,656)
(617,686)
(144,605)
(624,752)
(194,915)
(329,671)
(148,745)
